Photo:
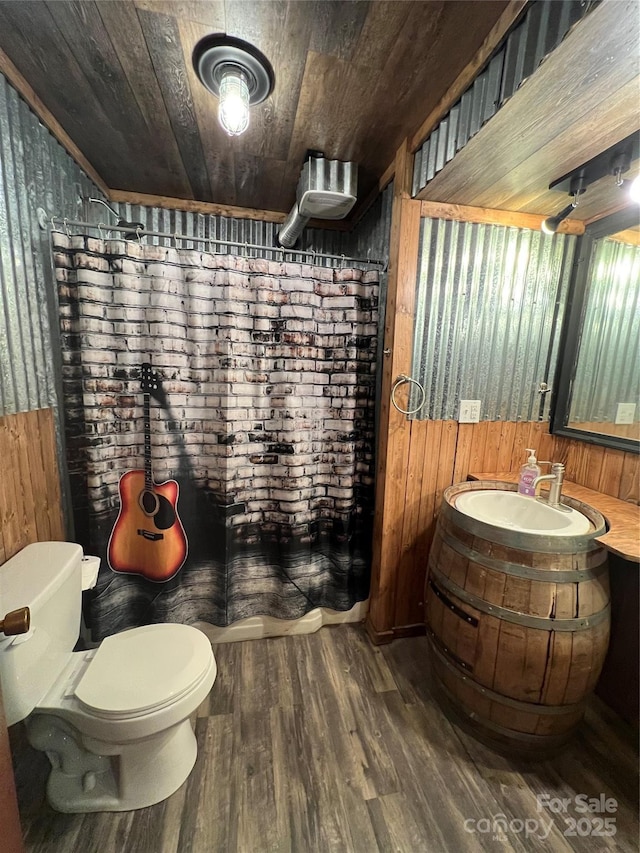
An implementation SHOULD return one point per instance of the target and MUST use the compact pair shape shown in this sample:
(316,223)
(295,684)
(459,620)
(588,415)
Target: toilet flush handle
(16,622)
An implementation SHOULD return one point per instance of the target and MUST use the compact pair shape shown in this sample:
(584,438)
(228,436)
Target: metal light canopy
(237,73)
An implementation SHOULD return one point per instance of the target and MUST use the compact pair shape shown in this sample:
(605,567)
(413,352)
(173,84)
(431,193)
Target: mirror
(597,394)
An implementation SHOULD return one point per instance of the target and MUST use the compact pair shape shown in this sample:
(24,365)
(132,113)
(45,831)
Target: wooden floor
(324,743)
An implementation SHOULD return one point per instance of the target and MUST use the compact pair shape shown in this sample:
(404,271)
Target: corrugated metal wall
(607,370)
(541,29)
(489,309)
(35,172)
(240,232)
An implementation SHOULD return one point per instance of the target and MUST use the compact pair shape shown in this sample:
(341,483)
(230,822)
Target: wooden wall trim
(504,23)
(192,206)
(466,213)
(30,499)
(213,209)
(48,119)
(394,430)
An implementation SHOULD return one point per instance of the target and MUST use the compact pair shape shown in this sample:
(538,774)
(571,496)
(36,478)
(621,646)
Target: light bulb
(634,189)
(233,111)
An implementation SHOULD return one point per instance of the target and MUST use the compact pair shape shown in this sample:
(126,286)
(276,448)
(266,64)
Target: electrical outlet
(469,411)
(625,413)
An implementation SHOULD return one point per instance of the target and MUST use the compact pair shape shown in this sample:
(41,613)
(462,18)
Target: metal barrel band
(520,571)
(542,623)
(457,611)
(445,653)
(402,378)
(520,541)
(451,663)
(512,734)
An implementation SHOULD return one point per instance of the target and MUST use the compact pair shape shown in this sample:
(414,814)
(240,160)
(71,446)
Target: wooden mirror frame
(572,331)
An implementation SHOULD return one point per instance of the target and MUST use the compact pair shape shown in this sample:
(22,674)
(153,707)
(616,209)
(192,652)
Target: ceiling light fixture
(235,72)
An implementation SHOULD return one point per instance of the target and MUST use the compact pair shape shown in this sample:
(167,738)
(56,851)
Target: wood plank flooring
(318,743)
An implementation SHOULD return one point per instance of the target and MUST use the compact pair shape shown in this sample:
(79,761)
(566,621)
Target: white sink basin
(519,512)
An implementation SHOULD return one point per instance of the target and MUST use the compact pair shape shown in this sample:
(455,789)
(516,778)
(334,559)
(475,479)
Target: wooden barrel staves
(518,626)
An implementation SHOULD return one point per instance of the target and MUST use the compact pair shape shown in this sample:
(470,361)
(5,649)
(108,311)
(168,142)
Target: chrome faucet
(555,478)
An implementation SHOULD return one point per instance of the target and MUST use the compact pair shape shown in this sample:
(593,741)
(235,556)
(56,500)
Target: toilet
(114,721)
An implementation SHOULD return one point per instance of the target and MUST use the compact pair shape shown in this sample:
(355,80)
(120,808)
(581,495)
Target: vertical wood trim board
(394,430)
(435,455)
(30,500)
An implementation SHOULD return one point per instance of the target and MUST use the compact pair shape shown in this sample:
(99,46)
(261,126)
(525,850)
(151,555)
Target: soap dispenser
(528,474)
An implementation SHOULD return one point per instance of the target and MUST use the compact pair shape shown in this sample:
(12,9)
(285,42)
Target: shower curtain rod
(142,232)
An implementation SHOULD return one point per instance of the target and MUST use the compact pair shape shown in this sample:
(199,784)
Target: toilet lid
(144,669)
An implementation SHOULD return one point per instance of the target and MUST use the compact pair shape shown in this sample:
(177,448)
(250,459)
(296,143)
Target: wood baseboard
(379,638)
(418,630)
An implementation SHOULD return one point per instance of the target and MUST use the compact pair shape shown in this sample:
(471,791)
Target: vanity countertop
(623,518)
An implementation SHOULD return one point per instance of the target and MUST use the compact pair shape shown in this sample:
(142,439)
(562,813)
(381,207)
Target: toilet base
(94,776)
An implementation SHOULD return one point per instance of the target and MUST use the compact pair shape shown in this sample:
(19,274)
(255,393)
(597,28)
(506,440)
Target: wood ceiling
(353,79)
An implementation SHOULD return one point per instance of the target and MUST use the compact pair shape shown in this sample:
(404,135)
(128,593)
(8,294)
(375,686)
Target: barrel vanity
(517,613)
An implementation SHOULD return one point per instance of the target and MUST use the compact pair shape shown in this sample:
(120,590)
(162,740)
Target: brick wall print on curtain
(266,421)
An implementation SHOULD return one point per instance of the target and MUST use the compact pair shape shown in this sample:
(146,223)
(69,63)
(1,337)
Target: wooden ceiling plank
(432,46)
(280,30)
(49,120)
(209,13)
(379,33)
(34,44)
(218,148)
(163,42)
(88,41)
(127,38)
(337,26)
(507,19)
(288,56)
(595,63)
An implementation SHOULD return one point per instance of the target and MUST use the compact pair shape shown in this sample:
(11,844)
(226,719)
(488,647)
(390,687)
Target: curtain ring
(53,224)
(399,381)
(175,239)
(66,227)
(99,227)
(139,234)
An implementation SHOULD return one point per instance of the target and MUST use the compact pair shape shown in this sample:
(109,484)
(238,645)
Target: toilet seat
(144,670)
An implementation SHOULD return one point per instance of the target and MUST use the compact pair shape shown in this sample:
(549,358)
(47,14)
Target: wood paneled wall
(30,501)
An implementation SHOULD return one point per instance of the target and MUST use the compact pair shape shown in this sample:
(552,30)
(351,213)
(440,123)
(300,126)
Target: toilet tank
(46,577)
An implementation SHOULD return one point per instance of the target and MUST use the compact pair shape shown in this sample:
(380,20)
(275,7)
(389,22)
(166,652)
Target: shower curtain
(263,415)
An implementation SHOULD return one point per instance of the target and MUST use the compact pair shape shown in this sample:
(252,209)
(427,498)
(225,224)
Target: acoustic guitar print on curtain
(148,538)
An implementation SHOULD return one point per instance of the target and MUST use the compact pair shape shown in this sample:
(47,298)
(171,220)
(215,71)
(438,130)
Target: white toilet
(114,721)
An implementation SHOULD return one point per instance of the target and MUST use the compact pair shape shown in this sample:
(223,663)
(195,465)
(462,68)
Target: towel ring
(399,381)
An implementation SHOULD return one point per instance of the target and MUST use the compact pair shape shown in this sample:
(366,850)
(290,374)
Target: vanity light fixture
(615,161)
(235,72)
(619,165)
(551,224)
